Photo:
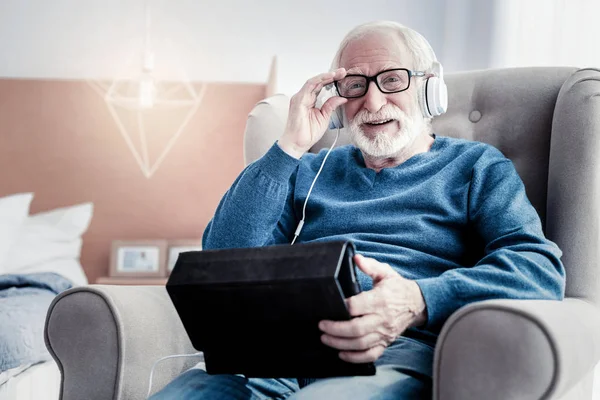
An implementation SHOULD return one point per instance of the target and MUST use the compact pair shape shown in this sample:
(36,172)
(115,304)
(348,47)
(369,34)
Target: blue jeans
(404,371)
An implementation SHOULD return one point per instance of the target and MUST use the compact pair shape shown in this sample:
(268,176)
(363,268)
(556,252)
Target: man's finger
(321,85)
(311,84)
(356,327)
(339,73)
(358,343)
(374,268)
(364,303)
(358,357)
(327,77)
(314,85)
(331,104)
(320,78)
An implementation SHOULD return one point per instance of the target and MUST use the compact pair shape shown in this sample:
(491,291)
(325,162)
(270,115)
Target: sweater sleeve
(518,261)
(257,210)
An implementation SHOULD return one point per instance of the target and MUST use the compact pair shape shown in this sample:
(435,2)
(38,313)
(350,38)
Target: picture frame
(138,258)
(179,246)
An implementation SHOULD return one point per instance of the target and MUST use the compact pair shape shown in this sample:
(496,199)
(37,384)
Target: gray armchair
(106,338)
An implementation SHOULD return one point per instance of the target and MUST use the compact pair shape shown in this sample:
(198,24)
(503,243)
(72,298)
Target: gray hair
(419,48)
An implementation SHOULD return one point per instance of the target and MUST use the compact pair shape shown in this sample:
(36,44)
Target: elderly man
(438,222)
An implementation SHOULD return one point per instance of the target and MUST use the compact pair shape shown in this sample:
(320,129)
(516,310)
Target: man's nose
(374,99)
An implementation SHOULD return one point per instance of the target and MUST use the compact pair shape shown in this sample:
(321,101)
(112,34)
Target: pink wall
(57,139)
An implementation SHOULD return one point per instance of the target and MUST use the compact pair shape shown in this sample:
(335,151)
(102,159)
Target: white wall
(222,40)
(547,33)
(468,34)
(234,40)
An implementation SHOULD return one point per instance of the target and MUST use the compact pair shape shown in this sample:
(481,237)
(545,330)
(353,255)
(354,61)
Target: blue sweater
(455,219)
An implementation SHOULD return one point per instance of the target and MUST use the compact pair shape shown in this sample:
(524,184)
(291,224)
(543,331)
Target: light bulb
(147,92)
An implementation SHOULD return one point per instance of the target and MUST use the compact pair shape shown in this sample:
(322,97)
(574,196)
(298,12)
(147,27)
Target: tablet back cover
(255,311)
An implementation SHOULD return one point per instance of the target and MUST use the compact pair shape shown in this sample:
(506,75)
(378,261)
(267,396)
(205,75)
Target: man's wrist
(290,148)
(419,307)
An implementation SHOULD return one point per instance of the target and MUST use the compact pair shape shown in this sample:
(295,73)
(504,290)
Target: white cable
(301,224)
(164,358)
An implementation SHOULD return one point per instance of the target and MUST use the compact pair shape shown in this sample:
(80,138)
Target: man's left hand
(380,315)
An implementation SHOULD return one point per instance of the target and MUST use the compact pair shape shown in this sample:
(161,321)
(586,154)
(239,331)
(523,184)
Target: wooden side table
(107,280)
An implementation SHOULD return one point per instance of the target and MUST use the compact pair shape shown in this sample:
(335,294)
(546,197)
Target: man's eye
(357,85)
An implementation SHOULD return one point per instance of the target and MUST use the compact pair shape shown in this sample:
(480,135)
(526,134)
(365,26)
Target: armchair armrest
(517,349)
(105,340)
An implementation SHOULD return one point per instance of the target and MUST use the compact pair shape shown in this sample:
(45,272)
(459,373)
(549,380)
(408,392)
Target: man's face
(368,56)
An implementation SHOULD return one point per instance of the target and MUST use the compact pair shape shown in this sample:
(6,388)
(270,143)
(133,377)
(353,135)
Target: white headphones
(433,94)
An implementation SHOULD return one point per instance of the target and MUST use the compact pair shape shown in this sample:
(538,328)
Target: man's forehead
(382,67)
(375,53)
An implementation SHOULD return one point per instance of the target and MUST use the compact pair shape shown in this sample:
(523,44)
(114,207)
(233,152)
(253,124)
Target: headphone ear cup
(443,99)
(422,95)
(436,96)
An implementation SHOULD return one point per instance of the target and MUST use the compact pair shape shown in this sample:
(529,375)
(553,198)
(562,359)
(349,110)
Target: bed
(39,258)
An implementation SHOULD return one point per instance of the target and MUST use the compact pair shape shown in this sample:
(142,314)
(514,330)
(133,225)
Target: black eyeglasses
(388,81)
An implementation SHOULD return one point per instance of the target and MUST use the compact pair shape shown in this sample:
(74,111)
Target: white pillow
(13,213)
(51,242)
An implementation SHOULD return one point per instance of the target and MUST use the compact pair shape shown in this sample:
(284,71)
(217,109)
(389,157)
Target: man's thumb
(376,270)
(331,104)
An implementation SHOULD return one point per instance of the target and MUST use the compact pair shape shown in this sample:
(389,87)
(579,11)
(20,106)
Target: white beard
(385,144)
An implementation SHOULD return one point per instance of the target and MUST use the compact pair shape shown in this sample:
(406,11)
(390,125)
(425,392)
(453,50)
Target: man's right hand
(306,124)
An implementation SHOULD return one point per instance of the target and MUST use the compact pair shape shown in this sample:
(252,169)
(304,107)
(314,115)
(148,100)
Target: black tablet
(255,311)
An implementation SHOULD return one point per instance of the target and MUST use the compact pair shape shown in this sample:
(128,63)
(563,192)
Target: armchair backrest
(545,119)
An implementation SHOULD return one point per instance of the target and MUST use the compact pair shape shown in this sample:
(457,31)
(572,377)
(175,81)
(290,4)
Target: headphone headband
(437,69)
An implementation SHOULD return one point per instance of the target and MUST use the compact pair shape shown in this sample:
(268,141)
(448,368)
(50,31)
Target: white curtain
(546,33)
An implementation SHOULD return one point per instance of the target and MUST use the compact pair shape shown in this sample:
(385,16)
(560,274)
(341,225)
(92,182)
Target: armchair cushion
(516,349)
